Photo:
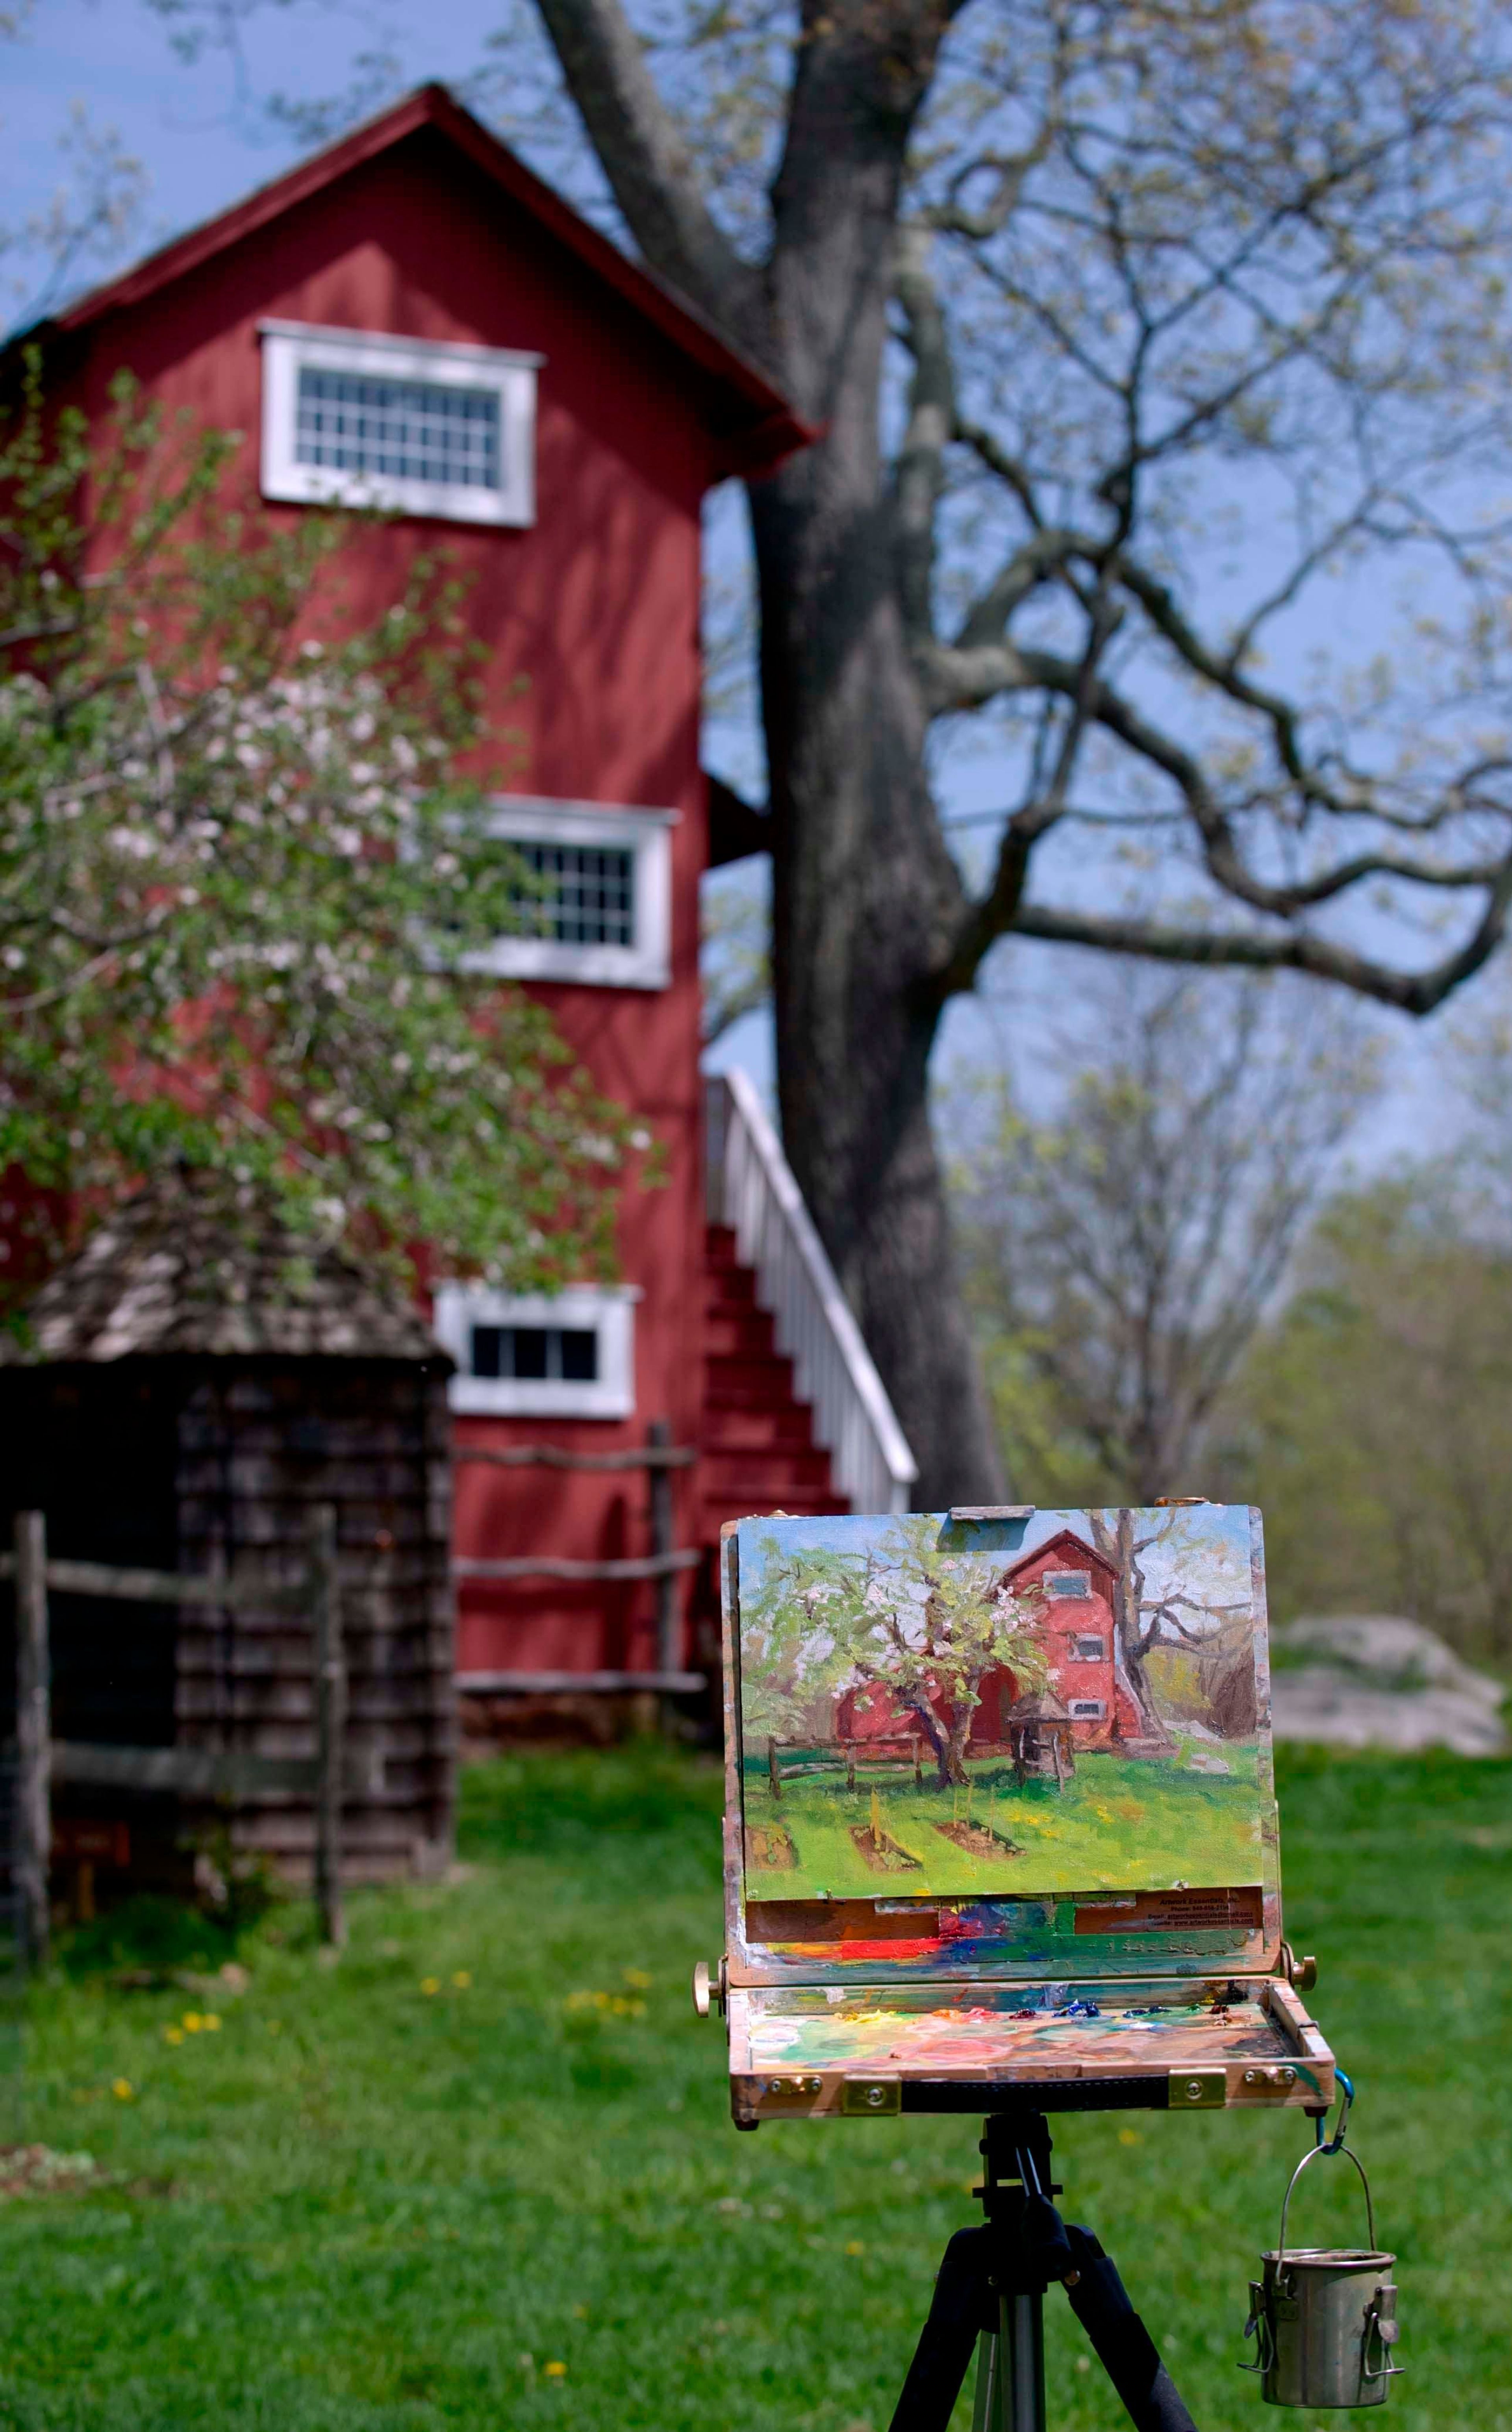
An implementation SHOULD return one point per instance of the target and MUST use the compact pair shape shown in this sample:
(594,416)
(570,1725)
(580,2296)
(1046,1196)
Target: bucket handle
(1350,2155)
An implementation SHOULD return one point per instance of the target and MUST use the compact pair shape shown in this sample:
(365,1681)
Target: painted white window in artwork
(1087,1710)
(353,418)
(569,1355)
(1068,1583)
(1088,1650)
(595,894)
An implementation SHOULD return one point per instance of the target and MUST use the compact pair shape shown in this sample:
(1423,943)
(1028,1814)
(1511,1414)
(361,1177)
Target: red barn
(413,319)
(1076,1587)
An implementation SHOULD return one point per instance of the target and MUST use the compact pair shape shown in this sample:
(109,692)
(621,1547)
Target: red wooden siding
(421,228)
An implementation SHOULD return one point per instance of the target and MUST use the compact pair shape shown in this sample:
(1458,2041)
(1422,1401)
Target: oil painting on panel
(1075,1702)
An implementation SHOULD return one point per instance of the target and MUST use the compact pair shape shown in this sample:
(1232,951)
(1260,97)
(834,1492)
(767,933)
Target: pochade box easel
(1000,1837)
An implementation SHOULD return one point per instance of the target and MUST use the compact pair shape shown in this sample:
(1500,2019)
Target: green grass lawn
(360,2206)
(1189,1827)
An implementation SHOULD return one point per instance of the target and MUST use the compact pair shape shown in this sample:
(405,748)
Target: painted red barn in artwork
(413,319)
(1074,1586)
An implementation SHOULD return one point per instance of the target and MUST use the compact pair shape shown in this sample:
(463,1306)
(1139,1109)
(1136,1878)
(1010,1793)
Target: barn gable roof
(1066,1541)
(752,420)
(177,1271)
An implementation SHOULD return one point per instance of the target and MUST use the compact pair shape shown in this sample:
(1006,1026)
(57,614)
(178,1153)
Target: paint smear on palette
(1173,2035)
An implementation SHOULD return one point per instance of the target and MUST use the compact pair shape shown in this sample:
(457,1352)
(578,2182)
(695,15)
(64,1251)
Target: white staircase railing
(751,1189)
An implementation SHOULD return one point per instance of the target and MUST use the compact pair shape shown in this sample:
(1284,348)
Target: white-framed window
(1068,1583)
(1089,1650)
(353,418)
(566,1355)
(1087,1710)
(597,906)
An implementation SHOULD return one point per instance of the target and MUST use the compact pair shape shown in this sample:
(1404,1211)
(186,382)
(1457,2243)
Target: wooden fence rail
(327,1777)
(332,1775)
(658,1456)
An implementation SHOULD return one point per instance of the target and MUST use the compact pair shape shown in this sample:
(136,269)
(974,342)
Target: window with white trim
(1068,1583)
(568,1355)
(1087,1710)
(595,894)
(1089,1650)
(352,417)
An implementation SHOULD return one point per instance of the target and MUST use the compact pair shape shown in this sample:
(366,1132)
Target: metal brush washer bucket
(1324,2318)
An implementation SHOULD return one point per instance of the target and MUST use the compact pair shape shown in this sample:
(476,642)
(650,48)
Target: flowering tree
(904,1614)
(242,890)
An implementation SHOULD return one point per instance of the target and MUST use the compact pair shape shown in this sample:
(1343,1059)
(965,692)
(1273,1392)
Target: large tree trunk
(865,896)
(1117,1545)
(858,900)
(867,901)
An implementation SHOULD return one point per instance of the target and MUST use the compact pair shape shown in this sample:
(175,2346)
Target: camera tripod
(990,2296)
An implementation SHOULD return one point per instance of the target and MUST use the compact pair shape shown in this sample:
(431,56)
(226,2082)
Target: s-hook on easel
(990,2297)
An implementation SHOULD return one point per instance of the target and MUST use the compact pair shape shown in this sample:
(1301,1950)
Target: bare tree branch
(920,474)
(1415,992)
(649,166)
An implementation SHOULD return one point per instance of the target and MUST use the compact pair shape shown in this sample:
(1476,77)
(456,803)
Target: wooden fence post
(668,1618)
(34,1738)
(330,1720)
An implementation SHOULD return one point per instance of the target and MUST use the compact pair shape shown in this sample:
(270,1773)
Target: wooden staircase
(756,1438)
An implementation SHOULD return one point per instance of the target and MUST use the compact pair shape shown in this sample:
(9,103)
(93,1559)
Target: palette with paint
(1000,1816)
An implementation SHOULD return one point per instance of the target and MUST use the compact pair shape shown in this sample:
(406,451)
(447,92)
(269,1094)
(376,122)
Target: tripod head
(1016,2196)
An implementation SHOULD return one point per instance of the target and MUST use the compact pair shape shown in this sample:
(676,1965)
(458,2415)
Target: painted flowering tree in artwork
(902,1615)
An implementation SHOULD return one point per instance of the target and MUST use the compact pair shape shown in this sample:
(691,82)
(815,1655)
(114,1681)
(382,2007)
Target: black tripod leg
(962,2307)
(1125,2350)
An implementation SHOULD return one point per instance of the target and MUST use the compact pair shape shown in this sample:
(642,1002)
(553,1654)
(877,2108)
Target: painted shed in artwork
(191,1385)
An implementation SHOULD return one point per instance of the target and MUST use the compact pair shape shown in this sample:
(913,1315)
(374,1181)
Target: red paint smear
(845,1952)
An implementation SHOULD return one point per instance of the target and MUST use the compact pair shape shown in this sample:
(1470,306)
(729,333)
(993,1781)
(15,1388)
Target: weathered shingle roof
(1043,1707)
(179,1270)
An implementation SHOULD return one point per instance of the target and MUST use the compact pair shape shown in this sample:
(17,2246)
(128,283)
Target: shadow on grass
(157,1936)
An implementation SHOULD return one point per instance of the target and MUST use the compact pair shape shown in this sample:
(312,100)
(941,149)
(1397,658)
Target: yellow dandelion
(463,1978)
(120,2088)
(556,2370)
(853,2246)
(1130,2137)
(429,1984)
(211,2022)
(639,1979)
(192,2022)
(173,2034)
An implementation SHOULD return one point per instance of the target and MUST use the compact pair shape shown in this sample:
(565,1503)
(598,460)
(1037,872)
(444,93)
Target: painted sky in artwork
(873,1769)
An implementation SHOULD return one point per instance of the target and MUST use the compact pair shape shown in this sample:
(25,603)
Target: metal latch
(872,2098)
(1197,2089)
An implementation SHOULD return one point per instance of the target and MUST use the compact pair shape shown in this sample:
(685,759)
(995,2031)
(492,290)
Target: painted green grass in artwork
(1121,1823)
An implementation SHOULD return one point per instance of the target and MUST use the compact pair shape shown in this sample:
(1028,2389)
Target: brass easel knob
(700,1988)
(1301,1974)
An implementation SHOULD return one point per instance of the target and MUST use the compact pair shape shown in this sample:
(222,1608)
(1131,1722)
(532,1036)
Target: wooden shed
(191,1384)
(1039,1739)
